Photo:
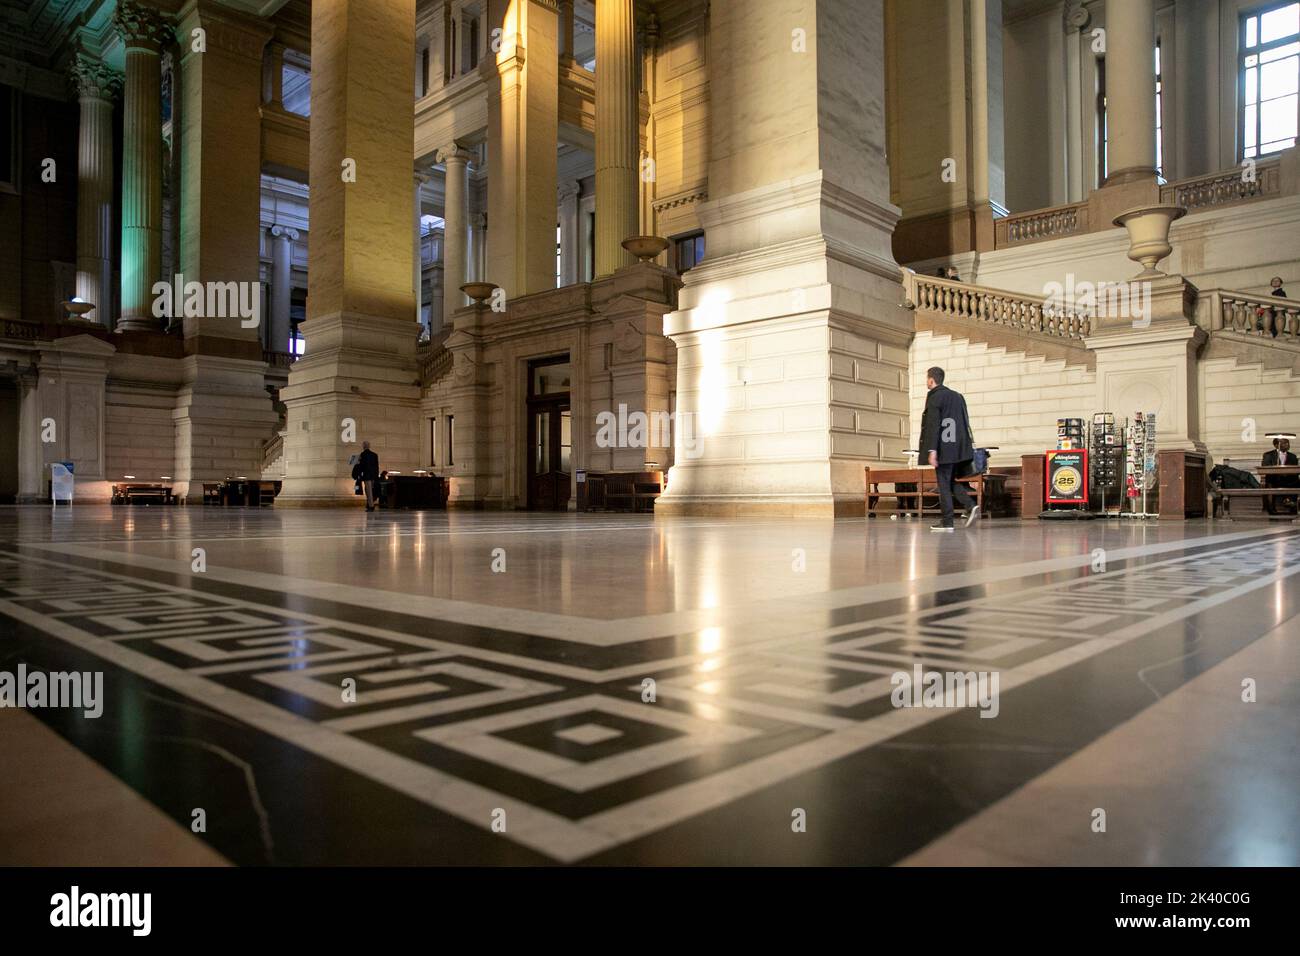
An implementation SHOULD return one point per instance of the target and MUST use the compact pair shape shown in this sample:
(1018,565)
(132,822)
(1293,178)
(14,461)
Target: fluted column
(455,238)
(97,86)
(143,32)
(1130,90)
(617,134)
(282,239)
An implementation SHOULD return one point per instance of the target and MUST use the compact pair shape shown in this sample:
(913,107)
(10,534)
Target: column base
(770,506)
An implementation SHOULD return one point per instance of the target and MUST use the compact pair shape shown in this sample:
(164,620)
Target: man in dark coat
(1280,455)
(947,445)
(368,462)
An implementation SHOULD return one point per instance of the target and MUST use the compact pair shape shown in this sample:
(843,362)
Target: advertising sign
(1067,477)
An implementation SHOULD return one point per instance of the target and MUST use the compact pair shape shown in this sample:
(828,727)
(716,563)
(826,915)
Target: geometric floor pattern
(571,761)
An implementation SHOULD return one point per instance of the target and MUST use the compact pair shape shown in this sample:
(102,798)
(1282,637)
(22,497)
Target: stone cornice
(226,31)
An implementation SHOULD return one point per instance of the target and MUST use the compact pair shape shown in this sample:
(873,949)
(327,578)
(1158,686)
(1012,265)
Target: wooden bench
(926,489)
(128,493)
(1223,500)
(620,491)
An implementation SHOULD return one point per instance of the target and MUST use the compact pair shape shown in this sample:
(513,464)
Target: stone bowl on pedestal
(77,310)
(1148,235)
(480,292)
(645,248)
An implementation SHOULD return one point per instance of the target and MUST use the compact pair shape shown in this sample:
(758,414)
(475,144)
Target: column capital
(568,189)
(284,232)
(140,26)
(93,79)
(1075,17)
(225,30)
(454,153)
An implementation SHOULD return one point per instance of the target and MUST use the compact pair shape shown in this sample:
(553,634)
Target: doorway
(550,434)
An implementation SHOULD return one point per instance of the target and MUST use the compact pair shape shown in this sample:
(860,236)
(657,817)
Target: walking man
(369,465)
(946,440)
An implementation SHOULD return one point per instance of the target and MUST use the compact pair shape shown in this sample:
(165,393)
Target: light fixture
(1277,435)
(164,477)
(129,477)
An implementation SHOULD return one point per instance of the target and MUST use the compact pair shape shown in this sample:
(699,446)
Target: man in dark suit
(1280,455)
(369,465)
(947,444)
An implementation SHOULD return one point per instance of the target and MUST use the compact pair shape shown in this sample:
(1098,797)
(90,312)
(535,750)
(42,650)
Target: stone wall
(1014,399)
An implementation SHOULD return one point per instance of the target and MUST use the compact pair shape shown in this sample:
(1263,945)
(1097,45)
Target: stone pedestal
(1147,363)
(358,379)
(791,343)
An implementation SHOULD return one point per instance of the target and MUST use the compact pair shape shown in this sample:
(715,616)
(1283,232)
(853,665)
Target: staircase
(1009,320)
(273,458)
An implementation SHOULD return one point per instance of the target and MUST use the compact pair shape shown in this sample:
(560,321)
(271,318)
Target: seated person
(1280,455)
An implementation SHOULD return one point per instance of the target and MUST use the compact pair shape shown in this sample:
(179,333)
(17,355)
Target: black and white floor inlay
(621,749)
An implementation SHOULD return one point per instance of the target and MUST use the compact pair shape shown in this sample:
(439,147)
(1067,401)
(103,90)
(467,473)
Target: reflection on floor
(336,687)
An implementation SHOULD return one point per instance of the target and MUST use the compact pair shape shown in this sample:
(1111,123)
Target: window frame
(1257,51)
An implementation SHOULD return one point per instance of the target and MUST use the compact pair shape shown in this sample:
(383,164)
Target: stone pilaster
(523,86)
(143,33)
(97,87)
(357,380)
(617,134)
(455,240)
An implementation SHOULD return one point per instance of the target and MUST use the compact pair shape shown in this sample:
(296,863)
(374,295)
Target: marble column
(523,127)
(97,86)
(282,240)
(357,380)
(617,134)
(455,238)
(791,348)
(1130,91)
(143,32)
(417,272)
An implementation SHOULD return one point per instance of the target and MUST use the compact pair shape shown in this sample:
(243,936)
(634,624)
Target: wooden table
(927,489)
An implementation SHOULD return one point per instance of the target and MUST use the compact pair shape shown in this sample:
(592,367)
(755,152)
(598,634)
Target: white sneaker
(973,516)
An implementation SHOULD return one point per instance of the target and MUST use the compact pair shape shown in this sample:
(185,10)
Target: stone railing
(271,450)
(1010,310)
(1225,188)
(1040,224)
(1266,317)
(434,361)
(278,359)
(24,331)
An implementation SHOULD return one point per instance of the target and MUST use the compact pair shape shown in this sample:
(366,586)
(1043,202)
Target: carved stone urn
(1148,235)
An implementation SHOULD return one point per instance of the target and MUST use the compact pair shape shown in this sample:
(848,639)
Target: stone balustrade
(1010,310)
(1041,224)
(1227,187)
(1264,316)
(434,360)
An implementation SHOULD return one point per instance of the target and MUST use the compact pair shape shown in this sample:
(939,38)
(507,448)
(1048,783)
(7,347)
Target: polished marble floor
(336,687)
